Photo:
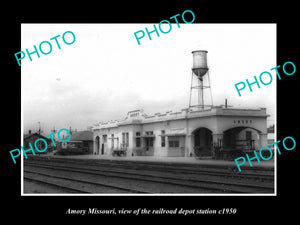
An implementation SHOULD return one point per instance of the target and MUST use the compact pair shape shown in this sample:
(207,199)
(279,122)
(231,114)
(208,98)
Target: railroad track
(264,174)
(73,185)
(60,188)
(109,178)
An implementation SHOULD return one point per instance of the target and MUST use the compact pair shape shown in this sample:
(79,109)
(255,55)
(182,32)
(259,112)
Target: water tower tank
(200,63)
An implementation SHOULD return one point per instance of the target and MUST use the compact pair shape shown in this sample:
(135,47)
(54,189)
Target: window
(104,138)
(163,139)
(149,132)
(112,141)
(173,142)
(138,139)
(125,139)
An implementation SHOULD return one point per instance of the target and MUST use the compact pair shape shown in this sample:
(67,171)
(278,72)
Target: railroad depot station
(201,130)
(185,133)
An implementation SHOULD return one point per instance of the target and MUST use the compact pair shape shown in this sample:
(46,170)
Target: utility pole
(40,131)
(54,130)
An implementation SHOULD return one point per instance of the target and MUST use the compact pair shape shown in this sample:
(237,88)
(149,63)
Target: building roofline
(183,114)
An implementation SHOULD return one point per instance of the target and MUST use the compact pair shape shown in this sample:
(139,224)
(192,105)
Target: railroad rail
(263,174)
(109,176)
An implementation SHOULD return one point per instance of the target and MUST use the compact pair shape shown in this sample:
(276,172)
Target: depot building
(190,133)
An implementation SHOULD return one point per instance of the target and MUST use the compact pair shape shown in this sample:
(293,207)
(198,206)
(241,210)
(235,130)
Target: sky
(105,73)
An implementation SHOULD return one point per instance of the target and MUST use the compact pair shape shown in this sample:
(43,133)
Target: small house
(31,138)
(82,140)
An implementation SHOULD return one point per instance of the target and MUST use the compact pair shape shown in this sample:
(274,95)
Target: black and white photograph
(137,112)
(160,117)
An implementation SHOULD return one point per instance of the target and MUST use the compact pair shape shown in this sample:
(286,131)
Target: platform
(182,160)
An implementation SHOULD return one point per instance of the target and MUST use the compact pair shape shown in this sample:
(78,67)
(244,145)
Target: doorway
(203,142)
(97,145)
(102,149)
(149,150)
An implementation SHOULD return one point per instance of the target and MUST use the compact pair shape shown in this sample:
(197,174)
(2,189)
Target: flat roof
(187,113)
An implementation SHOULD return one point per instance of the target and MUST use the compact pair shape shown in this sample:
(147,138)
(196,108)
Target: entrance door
(102,149)
(97,145)
(149,146)
(203,142)
(249,139)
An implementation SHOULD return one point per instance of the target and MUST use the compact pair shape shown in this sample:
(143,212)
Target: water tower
(199,81)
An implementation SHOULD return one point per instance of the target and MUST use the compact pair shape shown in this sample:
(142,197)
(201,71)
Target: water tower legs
(196,100)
